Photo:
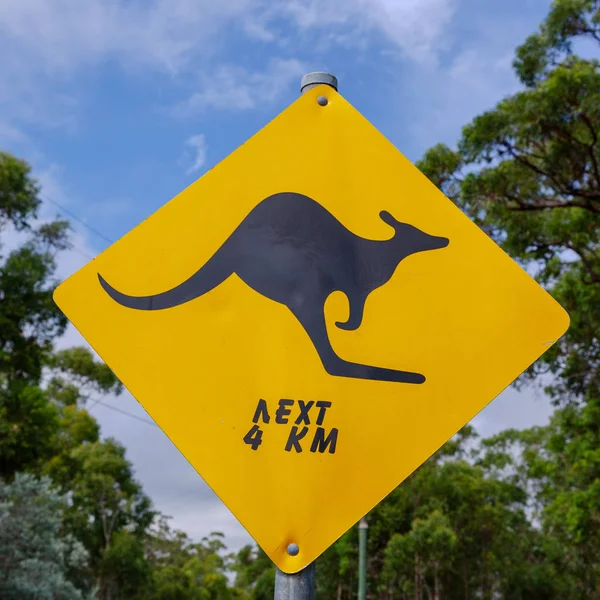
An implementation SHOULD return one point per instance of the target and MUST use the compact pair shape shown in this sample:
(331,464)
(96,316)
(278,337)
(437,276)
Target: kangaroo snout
(435,242)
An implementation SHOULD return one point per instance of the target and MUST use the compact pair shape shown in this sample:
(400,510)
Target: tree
(401,571)
(29,321)
(124,573)
(459,527)
(109,512)
(521,510)
(337,569)
(254,573)
(44,427)
(528,173)
(184,570)
(74,376)
(36,559)
(434,543)
(18,193)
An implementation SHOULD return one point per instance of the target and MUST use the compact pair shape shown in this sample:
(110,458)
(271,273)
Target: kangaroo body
(293,251)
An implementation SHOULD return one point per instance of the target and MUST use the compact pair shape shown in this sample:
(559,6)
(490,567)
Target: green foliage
(184,570)
(125,572)
(18,193)
(102,487)
(29,319)
(528,173)
(455,529)
(43,425)
(29,426)
(568,20)
(255,574)
(85,372)
(36,559)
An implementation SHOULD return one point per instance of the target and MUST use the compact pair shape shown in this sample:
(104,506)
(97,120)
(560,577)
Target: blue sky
(120,104)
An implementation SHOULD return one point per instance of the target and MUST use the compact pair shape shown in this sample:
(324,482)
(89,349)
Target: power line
(74,216)
(106,239)
(97,401)
(124,412)
(79,220)
(80,251)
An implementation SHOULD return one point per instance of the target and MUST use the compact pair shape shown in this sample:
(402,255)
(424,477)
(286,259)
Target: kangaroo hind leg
(314,325)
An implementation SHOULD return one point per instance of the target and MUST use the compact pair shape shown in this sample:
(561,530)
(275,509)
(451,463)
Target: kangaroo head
(410,239)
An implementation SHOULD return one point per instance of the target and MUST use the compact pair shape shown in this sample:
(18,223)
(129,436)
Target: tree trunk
(418,584)
(428,590)
(485,580)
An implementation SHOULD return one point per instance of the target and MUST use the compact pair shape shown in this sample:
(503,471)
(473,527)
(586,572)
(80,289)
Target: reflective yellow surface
(467,317)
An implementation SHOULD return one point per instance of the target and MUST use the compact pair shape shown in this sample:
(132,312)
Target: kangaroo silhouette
(293,251)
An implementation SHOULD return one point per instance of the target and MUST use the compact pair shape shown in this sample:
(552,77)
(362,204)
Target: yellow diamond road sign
(309,321)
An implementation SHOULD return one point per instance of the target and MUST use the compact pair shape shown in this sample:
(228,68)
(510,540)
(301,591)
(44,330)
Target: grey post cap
(310,80)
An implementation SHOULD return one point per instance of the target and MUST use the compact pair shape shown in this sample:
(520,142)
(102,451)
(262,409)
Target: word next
(299,415)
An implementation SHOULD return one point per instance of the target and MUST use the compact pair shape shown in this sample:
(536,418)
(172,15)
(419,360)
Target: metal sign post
(301,585)
(362,559)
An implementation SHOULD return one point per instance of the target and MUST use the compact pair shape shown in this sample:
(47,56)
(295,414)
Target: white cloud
(416,27)
(52,184)
(198,144)
(514,409)
(67,34)
(236,88)
(257,30)
(11,134)
(441,100)
(475,81)
(47,42)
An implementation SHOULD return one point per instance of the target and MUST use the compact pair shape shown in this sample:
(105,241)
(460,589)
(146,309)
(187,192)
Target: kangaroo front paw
(347,325)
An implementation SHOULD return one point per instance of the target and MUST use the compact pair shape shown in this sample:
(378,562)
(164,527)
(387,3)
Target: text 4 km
(300,415)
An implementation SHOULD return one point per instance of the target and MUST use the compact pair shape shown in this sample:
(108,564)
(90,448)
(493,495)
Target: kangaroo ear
(387,218)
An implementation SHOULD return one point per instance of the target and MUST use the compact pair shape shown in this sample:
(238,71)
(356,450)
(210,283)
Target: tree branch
(585,261)
(542,204)
(591,148)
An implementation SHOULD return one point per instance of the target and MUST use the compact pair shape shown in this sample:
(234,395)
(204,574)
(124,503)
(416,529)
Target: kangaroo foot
(342,368)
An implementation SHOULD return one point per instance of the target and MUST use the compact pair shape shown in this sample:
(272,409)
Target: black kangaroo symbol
(292,250)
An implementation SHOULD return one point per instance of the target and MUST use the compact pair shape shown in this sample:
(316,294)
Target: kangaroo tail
(202,281)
